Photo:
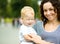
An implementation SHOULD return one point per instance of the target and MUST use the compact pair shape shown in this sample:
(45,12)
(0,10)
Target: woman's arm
(44,42)
(27,38)
(37,39)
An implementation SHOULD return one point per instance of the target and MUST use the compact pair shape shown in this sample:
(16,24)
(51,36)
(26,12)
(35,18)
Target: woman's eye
(45,10)
(51,9)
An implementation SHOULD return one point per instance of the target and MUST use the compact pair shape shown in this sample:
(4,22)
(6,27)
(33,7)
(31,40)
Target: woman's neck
(51,26)
(53,22)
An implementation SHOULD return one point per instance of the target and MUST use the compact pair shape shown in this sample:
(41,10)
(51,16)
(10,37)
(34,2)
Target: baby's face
(29,18)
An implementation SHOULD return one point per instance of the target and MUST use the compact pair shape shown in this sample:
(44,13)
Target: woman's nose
(48,12)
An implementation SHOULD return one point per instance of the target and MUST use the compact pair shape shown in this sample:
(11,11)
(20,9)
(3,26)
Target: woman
(50,14)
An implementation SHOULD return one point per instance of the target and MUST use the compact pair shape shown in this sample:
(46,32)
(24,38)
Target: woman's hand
(37,39)
(33,37)
(27,37)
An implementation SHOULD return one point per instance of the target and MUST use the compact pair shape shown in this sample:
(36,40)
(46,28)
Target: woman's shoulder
(59,26)
(38,26)
(39,22)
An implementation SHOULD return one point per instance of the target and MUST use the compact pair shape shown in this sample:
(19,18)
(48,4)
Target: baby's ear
(21,20)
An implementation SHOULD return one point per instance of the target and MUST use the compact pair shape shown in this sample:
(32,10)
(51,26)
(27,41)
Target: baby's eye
(28,19)
(32,19)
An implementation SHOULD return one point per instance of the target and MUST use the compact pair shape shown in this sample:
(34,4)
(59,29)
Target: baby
(28,20)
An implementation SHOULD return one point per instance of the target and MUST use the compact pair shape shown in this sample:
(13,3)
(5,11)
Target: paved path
(8,34)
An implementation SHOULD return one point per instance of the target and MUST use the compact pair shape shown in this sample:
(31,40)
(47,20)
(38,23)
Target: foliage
(13,8)
(2,8)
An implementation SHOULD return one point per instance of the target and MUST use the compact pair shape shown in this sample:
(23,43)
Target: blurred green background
(11,8)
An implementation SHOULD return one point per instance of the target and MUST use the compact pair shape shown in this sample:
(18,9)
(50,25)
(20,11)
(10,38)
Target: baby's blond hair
(26,9)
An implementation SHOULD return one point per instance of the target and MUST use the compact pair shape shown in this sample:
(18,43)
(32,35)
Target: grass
(8,20)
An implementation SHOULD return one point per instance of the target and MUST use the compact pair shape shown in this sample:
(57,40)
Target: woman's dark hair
(55,4)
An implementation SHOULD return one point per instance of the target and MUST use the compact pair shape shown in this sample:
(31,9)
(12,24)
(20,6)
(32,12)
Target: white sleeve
(20,36)
(33,31)
(28,31)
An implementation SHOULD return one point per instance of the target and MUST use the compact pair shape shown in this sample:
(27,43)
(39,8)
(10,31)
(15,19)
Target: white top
(23,31)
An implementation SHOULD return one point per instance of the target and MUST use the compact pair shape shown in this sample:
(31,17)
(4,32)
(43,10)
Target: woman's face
(49,12)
